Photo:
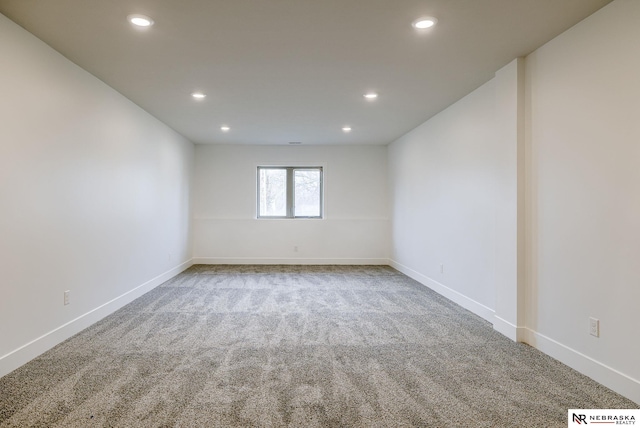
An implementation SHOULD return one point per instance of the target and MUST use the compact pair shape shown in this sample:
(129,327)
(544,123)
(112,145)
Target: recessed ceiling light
(424,22)
(371,96)
(225,128)
(198,95)
(140,20)
(346,128)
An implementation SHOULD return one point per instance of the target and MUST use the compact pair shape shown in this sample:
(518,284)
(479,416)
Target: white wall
(583,91)
(510,208)
(578,206)
(355,228)
(443,180)
(94,198)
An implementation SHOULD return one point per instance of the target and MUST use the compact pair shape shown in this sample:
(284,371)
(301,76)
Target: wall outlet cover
(594,327)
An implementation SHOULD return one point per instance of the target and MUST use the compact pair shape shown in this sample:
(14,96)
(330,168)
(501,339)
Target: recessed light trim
(198,95)
(225,128)
(371,96)
(141,21)
(424,22)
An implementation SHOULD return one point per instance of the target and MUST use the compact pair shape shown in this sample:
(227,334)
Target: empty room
(339,213)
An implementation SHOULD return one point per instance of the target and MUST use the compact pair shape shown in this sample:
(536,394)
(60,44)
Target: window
(289,192)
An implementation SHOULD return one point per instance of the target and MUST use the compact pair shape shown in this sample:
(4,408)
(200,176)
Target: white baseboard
(31,350)
(289,261)
(607,376)
(462,300)
(601,373)
(513,332)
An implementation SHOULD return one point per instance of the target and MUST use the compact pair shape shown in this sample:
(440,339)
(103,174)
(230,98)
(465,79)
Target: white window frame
(290,191)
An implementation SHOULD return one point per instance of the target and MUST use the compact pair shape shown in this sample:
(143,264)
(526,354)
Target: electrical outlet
(295,249)
(594,327)
(441,268)
(66,297)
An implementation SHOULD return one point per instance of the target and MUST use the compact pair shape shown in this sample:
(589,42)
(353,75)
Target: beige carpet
(274,346)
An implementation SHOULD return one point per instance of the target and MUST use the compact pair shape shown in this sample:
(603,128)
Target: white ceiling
(278,71)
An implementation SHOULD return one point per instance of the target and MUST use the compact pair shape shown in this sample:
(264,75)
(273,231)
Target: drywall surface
(94,197)
(583,95)
(443,195)
(564,243)
(355,227)
(510,281)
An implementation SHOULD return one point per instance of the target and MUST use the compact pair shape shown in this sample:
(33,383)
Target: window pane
(307,184)
(273,192)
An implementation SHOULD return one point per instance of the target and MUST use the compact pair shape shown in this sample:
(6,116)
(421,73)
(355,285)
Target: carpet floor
(298,346)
